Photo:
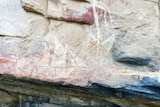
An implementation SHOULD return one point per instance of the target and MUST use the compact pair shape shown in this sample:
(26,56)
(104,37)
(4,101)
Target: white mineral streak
(98,35)
(35,45)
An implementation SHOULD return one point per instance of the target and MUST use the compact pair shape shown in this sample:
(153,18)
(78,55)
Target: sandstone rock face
(77,41)
(139,25)
(39,6)
(68,10)
(99,45)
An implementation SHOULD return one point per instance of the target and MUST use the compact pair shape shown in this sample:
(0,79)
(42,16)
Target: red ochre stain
(87,17)
(6,62)
(102,15)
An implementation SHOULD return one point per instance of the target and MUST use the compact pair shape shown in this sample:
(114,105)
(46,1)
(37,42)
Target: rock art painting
(101,43)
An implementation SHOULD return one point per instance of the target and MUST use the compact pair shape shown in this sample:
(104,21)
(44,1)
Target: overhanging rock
(93,95)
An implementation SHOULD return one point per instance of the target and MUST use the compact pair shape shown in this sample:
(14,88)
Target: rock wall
(76,41)
(92,53)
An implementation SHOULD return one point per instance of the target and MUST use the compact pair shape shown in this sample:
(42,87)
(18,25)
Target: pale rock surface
(61,9)
(74,38)
(15,21)
(39,6)
(70,10)
(38,46)
(139,26)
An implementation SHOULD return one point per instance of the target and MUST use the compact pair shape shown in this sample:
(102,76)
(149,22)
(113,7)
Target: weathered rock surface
(70,10)
(31,92)
(65,10)
(139,26)
(110,42)
(38,6)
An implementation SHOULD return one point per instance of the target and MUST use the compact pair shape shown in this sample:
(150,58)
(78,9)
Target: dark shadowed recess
(32,91)
(135,60)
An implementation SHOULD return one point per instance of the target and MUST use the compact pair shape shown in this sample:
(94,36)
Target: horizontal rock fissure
(135,60)
(21,37)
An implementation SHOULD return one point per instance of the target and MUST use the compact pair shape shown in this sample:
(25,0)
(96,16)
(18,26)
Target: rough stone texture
(118,43)
(16,22)
(31,92)
(39,6)
(139,26)
(37,47)
(68,10)
(60,31)
(5,97)
(61,10)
